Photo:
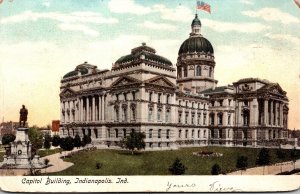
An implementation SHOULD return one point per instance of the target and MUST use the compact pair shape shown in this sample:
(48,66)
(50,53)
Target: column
(81,109)
(266,120)
(102,108)
(281,114)
(71,113)
(77,109)
(216,119)
(87,109)
(99,108)
(225,120)
(61,114)
(93,109)
(254,112)
(272,112)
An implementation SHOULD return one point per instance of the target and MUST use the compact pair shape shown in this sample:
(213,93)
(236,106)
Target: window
(150,111)
(221,102)
(192,104)
(198,71)
(212,119)
(117,133)
(179,118)
(158,114)
(212,103)
(150,97)
(150,133)
(125,96)
(193,118)
(167,100)
(168,134)
(179,72)
(179,102)
(159,98)
(159,133)
(133,113)
(245,102)
(210,72)
(186,104)
(186,117)
(229,102)
(198,105)
(179,134)
(204,119)
(204,133)
(159,145)
(167,115)
(185,73)
(229,118)
(193,132)
(133,95)
(186,133)
(204,106)
(199,118)
(198,133)
(124,114)
(108,133)
(117,114)
(246,117)
(132,130)
(220,119)
(124,132)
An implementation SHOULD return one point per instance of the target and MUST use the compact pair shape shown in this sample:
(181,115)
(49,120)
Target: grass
(116,162)
(43,153)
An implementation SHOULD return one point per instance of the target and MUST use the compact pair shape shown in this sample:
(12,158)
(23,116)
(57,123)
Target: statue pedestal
(20,156)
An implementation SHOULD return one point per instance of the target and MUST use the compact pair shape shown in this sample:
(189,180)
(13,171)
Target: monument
(19,155)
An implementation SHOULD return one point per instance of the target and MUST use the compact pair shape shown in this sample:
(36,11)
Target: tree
(242,163)
(55,140)
(47,141)
(86,140)
(177,168)
(135,140)
(77,141)
(215,169)
(36,138)
(67,144)
(263,158)
(294,155)
(7,138)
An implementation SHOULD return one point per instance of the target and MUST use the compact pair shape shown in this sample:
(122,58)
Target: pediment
(160,81)
(66,93)
(276,89)
(125,80)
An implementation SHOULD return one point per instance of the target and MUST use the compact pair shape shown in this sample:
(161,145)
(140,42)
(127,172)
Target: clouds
(247,2)
(74,21)
(219,26)
(284,37)
(272,14)
(177,14)
(127,6)
(158,26)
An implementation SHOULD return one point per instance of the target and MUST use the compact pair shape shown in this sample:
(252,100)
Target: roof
(196,21)
(143,51)
(220,89)
(196,44)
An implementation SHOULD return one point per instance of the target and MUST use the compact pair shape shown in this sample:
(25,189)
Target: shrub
(177,168)
(242,162)
(55,140)
(215,169)
(98,165)
(77,141)
(46,161)
(280,153)
(7,138)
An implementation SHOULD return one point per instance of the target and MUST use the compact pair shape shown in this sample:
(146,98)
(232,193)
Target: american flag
(203,6)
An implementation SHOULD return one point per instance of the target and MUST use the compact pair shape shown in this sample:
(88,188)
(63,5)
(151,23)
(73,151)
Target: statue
(23,116)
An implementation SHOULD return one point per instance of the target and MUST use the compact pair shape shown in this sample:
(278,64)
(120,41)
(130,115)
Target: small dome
(80,68)
(196,21)
(196,44)
(143,51)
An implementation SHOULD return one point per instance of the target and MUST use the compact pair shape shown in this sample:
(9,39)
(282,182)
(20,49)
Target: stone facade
(143,92)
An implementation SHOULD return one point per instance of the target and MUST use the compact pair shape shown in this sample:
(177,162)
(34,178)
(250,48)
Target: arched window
(212,118)
(193,132)
(167,115)
(246,117)
(204,133)
(220,119)
(150,96)
(210,72)
(168,98)
(179,118)
(158,114)
(116,114)
(198,71)
(198,133)
(185,72)
(186,133)
(133,113)
(179,133)
(150,133)
(168,134)
(150,111)
(159,133)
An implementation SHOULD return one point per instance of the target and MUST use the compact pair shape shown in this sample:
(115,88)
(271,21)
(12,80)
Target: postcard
(149,95)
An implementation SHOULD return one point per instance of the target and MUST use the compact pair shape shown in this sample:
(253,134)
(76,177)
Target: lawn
(43,153)
(116,162)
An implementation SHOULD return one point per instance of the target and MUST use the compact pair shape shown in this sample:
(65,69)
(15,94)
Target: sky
(42,40)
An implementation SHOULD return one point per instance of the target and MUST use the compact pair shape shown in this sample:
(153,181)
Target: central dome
(196,44)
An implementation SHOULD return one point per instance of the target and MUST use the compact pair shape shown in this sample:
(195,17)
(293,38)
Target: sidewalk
(269,170)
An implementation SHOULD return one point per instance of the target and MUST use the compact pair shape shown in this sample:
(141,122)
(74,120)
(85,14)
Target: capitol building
(175,106)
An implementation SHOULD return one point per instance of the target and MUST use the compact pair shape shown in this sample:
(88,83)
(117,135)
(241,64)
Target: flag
(203,6)
(297,3)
